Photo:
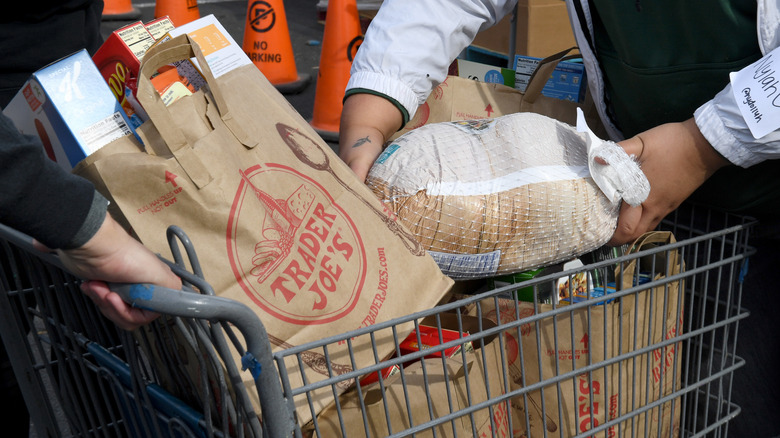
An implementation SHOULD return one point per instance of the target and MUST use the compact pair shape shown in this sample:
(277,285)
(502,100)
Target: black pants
(13,412)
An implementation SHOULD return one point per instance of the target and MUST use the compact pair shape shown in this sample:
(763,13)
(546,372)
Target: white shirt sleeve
(410,44)
(721,123)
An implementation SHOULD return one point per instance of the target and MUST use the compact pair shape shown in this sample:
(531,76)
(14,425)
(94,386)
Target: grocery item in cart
(509,194)
(426,336)
(118,59)
(70,108)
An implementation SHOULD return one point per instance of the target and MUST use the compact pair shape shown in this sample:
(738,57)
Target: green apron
(662,59)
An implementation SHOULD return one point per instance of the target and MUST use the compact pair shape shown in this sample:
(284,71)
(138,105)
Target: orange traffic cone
(340,42)
(179,11)
(120,10)
(267,43)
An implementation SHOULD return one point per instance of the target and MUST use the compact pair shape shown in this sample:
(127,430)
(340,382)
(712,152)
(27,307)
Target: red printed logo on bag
(421,117)
(587,402)
(308,265)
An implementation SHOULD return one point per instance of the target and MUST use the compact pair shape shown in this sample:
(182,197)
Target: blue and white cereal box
(69,106)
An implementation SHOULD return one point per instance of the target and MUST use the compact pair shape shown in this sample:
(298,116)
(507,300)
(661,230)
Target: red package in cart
(429,337)
(119,58)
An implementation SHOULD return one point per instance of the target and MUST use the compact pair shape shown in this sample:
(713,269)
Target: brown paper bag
(655,316)
(461,382)
(464,99)
(588,336)
(277,220)
(532,360)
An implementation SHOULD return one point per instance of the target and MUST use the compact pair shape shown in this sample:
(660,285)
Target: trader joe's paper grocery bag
(277,220)
(544,348)
(464,99)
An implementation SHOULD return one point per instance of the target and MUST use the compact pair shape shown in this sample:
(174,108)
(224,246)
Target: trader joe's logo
(294,251)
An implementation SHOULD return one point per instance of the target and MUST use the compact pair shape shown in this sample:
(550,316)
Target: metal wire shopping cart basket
(83,377)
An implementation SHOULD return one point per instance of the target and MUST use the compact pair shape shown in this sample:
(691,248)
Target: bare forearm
(367,121)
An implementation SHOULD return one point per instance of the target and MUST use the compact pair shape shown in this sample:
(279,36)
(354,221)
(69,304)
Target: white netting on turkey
(496,196)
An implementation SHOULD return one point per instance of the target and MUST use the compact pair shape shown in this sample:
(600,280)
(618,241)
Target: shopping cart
(83,377)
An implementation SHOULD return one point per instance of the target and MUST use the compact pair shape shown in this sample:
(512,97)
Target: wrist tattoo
(361,142)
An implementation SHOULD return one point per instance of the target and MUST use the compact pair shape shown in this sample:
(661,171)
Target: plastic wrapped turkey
(504,195)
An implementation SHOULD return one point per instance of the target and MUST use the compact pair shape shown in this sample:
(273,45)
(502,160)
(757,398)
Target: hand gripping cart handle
(195,301)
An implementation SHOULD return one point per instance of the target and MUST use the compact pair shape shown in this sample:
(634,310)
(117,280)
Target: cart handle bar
(190,304)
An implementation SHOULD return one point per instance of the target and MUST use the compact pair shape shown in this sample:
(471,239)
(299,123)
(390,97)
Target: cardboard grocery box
(430,337)
(593,291)
(69,106)
(221,51)
(118,60)
(543,28)
(482,72)
(159,27)
(566,82)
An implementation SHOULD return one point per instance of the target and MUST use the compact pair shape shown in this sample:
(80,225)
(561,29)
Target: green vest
(662,59)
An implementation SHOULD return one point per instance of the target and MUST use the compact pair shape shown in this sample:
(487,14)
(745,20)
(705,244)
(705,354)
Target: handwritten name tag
(756,89)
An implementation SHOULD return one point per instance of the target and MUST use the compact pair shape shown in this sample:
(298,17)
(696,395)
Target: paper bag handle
(624,277)
(177,49)
(173,137)
(542,73)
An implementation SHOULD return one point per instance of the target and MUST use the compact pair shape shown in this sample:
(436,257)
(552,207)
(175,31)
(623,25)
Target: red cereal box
(119,59)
